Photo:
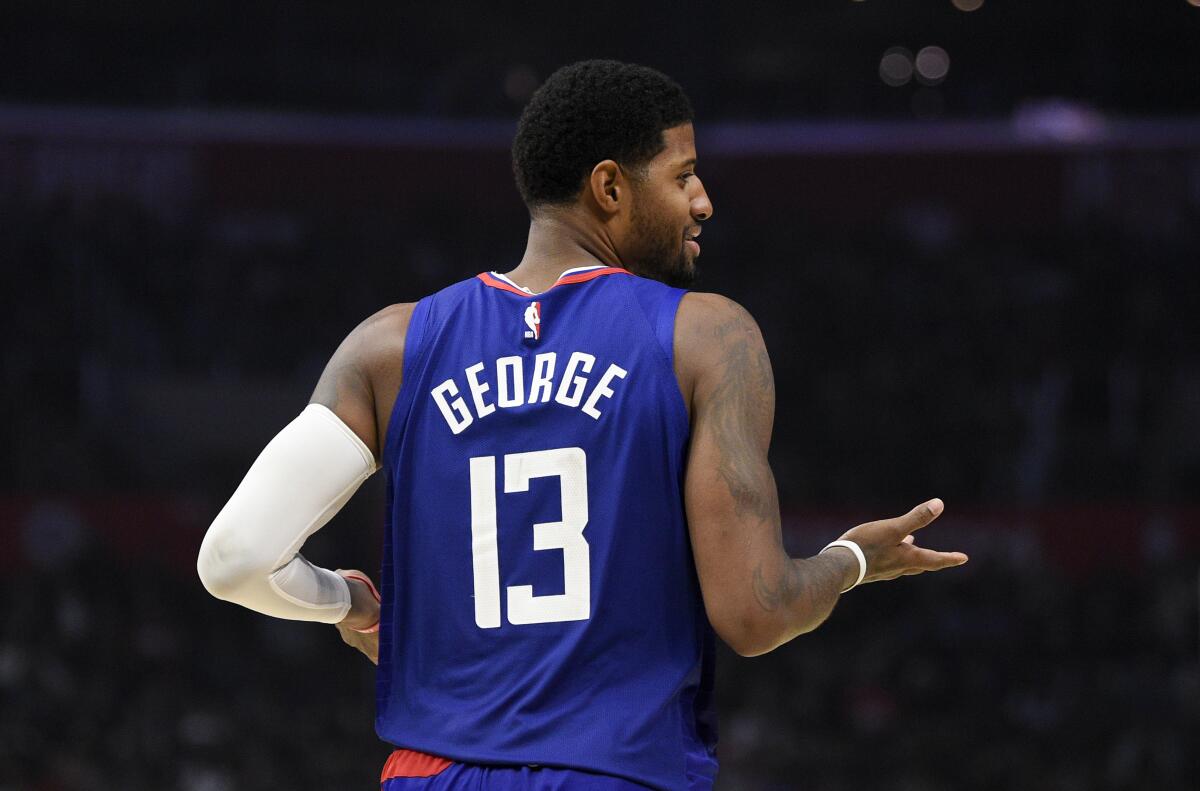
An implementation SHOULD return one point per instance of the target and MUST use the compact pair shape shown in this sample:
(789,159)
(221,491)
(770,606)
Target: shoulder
(708,323)
(387,329)
(387,323)
(379,340)
(711,331)
(701,307)
(382,332)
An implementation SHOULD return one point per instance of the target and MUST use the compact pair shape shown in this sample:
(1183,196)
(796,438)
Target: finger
(930,560)
(355,574)
(920,516)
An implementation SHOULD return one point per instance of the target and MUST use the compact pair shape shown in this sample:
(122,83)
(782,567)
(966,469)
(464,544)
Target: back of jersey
(540,603)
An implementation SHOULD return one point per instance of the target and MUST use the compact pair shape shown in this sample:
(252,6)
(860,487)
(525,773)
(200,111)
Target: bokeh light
(896,66)
(933,64)
(975,5)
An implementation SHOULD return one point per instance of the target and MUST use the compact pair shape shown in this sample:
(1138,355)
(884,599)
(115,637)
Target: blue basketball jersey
(540,601)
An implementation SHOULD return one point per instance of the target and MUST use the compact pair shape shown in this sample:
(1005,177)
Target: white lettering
(513,390)
(602,390)
(570,390)
(543,376)
(504,397)
(449,410)
(478,388)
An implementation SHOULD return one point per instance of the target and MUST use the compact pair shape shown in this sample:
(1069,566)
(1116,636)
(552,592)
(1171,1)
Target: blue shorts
(407,770)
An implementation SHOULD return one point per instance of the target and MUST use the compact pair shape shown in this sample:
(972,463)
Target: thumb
(920,516)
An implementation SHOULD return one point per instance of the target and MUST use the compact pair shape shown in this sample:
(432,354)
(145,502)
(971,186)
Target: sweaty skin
(755,595)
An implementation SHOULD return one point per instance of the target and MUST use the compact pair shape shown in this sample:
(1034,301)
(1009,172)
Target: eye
(686,175)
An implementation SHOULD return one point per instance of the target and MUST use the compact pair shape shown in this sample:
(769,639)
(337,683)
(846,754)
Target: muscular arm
(756,596)
(361,380)
(305,475)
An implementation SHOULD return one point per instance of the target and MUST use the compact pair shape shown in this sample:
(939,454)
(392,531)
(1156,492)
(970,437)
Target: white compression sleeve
(300,480)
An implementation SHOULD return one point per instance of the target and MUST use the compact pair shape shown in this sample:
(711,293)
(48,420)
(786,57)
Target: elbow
(752,648)
(226,566)
(755,631)
(748,636)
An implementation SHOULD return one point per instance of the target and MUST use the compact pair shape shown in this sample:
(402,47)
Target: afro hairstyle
(588,112)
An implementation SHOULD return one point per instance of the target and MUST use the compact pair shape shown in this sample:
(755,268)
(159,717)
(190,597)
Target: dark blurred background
(969,229)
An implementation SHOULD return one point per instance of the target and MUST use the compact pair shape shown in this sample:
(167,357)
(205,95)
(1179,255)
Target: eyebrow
(687,163)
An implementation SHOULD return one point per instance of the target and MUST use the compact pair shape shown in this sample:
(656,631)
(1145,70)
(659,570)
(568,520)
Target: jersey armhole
(660,308)
(414,353)
(665,325)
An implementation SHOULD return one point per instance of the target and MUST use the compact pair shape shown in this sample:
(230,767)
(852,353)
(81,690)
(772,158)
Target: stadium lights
(896,66)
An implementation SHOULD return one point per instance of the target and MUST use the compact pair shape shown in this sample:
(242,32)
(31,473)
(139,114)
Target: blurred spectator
(1002,676)
(1054,367)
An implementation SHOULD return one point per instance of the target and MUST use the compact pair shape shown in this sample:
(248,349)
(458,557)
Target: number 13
(569,465)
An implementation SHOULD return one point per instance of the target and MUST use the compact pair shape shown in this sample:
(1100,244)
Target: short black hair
(588,112)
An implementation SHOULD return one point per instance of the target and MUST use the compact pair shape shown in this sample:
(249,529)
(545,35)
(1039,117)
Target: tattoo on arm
(742,407)
(806,584)
(782,590)
(742,410)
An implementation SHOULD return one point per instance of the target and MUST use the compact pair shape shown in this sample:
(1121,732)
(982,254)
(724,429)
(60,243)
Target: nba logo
(533,320)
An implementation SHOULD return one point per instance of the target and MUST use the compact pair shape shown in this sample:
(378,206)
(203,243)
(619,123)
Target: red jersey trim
(578,277)
(410,763)
(374,592)
(500,284)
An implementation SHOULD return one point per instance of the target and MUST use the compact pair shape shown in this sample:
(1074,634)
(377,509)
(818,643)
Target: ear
(607,187)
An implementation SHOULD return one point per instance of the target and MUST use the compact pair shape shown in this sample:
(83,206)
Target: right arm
(755,595)
(251,553)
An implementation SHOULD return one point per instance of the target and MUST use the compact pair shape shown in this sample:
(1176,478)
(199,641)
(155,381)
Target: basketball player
(577,480)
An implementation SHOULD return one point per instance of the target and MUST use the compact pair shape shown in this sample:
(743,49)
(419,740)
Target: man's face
(669,203)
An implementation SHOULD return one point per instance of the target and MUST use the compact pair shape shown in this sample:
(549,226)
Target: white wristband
(858,553)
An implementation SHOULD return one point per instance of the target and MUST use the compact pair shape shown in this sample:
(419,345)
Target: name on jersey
(514,384)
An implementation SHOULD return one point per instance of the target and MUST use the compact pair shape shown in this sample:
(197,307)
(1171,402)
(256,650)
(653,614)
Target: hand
(364,612)
(890,550)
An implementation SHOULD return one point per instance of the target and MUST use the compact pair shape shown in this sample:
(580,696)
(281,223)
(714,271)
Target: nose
(702,208)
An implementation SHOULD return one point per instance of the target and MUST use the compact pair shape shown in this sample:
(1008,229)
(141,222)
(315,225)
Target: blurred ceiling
(755,60)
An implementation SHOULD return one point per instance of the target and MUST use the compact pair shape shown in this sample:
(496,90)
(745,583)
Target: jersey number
(569,465)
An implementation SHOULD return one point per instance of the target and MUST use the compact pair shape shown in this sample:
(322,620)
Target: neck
(560,240)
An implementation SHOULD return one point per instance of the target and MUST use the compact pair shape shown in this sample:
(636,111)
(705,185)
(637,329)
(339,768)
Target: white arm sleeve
(301,479)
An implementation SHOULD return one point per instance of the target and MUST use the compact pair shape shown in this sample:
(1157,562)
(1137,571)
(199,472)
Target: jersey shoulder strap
(415,348)
(659,303)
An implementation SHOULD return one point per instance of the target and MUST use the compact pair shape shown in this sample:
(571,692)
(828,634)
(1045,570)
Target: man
(577,475)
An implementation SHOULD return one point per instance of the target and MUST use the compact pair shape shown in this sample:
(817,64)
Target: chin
(682,275)
(678,270)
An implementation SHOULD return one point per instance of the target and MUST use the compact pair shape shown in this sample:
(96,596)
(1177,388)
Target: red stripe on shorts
(410,763)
